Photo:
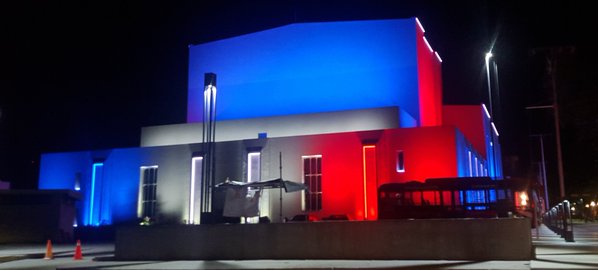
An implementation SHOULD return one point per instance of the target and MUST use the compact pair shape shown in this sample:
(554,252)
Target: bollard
(568,221)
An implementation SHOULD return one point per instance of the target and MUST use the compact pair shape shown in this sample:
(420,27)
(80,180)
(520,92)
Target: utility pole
(543,170)
(552,55)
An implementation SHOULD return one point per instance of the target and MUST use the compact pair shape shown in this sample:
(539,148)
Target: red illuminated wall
(349,158)
(342,172)
(430,83)
(469,119)
(428,153)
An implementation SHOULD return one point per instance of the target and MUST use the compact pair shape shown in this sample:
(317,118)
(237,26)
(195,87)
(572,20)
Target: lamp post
(487,58)
(558,142)
(208,141)
(492,141)
(543,170)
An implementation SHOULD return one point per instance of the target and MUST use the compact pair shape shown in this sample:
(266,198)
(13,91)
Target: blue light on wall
(308,68)
(97,174)
(462,148)
(59,170)
(112,183)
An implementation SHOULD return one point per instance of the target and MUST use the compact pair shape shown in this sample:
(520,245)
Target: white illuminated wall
(280,126)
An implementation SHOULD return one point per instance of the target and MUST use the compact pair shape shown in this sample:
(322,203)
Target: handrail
(559,220)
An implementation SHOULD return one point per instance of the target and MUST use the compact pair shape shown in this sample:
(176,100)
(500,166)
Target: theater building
(342,107)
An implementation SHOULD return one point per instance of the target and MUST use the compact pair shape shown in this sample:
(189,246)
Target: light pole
(492,141)
(558,142)
(552,55)
(487,58)
(543,170)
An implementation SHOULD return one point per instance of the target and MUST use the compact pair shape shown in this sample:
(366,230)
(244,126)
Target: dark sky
(81,75)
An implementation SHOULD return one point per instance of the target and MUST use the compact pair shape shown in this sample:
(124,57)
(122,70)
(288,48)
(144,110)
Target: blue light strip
(93,185)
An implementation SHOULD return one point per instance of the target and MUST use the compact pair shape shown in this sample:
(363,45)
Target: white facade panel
(279,126)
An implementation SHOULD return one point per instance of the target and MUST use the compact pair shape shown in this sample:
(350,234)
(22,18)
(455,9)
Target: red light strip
(365,190)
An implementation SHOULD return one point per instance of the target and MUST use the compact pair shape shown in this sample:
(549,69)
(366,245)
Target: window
(400,161)
(312,178)
(148,181)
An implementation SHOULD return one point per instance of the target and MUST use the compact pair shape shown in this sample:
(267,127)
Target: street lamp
(492,143)
(487,58)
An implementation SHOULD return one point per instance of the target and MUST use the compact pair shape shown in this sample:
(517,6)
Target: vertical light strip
(470,165)
(420,25)
(93,186)
(365,190)
(140,193)
(476,166)
(428,44)
(482,169)
(192,192)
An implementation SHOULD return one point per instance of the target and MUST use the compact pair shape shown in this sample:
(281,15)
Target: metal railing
(559,220)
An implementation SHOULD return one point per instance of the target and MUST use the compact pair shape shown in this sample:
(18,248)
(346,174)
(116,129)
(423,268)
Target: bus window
(492,195)
(431,198)
(416,197)
(447,198)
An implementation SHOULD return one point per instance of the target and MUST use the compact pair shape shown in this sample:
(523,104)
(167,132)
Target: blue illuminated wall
(309,67)
(462,154)
(115,188)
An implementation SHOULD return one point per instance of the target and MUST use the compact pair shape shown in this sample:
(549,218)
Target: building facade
(342,107)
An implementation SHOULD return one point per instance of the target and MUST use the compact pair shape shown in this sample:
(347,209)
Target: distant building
(34,216)
(348,106)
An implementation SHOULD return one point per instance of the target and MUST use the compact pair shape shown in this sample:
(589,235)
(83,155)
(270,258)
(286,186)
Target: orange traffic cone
(49,254)
(78,255)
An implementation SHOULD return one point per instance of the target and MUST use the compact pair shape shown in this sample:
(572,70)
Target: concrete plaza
(552,252)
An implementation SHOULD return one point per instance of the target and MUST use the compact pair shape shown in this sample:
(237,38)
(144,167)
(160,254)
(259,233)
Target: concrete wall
(449,239)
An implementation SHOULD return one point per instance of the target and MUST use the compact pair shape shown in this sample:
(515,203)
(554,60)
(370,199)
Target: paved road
(552,252)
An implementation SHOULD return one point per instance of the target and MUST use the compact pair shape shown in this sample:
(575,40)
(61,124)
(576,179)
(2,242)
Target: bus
(462,197)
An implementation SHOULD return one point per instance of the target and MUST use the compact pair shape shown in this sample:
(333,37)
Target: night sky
(83,75)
